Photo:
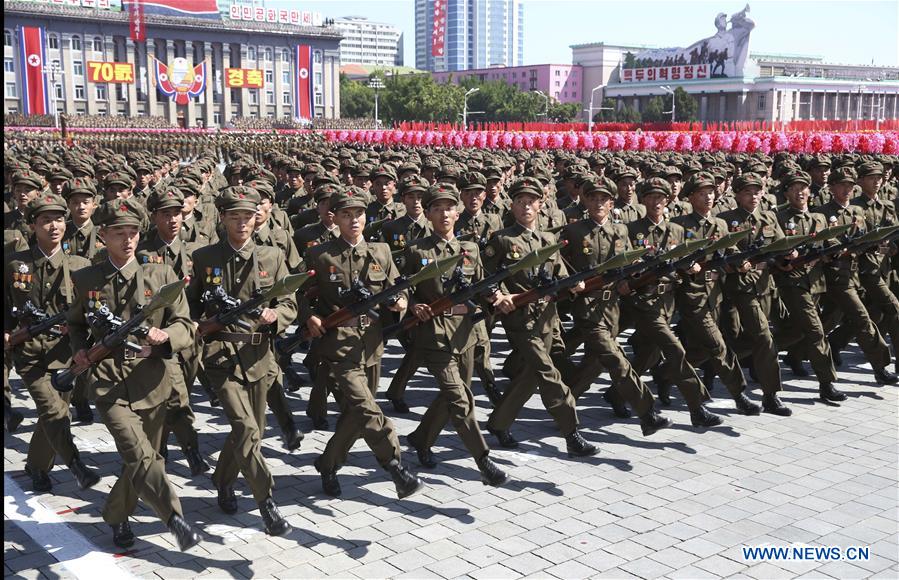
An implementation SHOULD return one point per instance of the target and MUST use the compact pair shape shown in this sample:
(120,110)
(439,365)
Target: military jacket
(842,272)
(82,241)
(660,237)
(400,232)
(878,213)
(678,208)
(819,195)
(313,235)
(575,212)
(588,245)
(337,266)
(757,280)
(15,220)
(266,235)
(703,288)
(13,241)
(178,254)
(479,227)
(801,223)
(305,218)
(509,246)
(240,273)
(29,275)
(378,211)
(141,383)
(626,213)
(497,208)
(448,333)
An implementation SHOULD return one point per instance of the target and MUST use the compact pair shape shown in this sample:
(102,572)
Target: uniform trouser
(803,308)
(882,306)
(482,353)
(454,402)
(317,405)
(81,392)
(53,435)
(411,362)
(137,435)
(244,405)
(601,351)
(536,372)
(512,366)
(360,415)
(653,335)
(277,402)
(7,388)
(858,324)
(179,417)
(755,338)
(705,345)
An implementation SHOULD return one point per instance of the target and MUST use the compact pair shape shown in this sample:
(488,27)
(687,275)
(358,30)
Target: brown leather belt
(710,276)
(761,266)
(658,289)
(363,321)
(146,351)
(254,338)
(457,310)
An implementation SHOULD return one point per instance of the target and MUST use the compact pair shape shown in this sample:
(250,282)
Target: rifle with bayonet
(466,293)
(114,332)
(368,301)
(232,310)
(43,324)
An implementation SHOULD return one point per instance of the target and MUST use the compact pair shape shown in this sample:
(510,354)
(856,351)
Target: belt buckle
(129,354)
(708,276)
(606,295)
(256,338)
(364,322)
(661,289)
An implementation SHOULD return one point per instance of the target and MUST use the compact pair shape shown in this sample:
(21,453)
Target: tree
(655,111)
(356,99)
(563,112)
(629,115)
(686,105)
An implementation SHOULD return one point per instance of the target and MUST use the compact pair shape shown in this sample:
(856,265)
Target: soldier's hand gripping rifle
(114,332)
(856,244)
(42,323)
(467,293)
(368,301)
(233,311)
(678,257)
(815,249)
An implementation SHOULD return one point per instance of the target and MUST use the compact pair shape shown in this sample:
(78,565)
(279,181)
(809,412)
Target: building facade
(562,82)
(366,42)
(76,37)
(477,34)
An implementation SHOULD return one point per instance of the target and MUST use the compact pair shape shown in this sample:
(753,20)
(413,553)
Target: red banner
(438,32)
(33,55)
(138,23)
(303,92)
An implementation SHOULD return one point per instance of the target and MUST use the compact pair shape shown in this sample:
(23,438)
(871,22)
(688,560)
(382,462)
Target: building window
(98,44)
(100,91)
(269,77)
(285,98)
(285,55)
(76,43)
(558,84)
(317,56)
(53,41)
(79,92)
(7,38)
(121,92)
(267,54)
(558,73)
(217,118)
(78,68)
(318,98)
(269,97)
(318,79)
(57,88)
(251,53)
(11,92)
(254,96)
(285,77)
(9,65)
(762,101)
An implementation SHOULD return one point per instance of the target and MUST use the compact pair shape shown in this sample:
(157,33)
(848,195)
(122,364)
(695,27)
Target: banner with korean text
(244,78)
(110,72)
(685,72)
(438,30)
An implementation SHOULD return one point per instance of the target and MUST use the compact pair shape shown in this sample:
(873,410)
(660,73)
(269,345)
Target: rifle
(44,324)
(467,292)
(667,262)
(757,252)
(232,310)
(368,301)
(115,333)
(857,244)
(816,248)
(620,264)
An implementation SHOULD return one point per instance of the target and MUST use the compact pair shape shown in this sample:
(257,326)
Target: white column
(111,88)
(211,86)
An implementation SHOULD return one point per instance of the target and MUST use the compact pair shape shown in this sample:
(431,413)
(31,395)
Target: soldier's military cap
(144,167)
(325,191)
(118,177)
(430,163)
(654,185)
(492,172)
(293,166)
(794,177)
(348,198)
(407,167)
(238,197)
(347,165)
(526,185)
(755,166)
(718,172)
(330,163)
(120,212)
(383,170)
(820,160)
(165,198)
(59,173)
(263,187)
(624,172)
(870,168)
(28,177)
(313,168)
(670,171)
(440,191)
(845,174)
(44,203)
(698,180)
(600,186)
(78,167)
(363,170)
(412,184)
(473,180)
(79,185)
(747,180)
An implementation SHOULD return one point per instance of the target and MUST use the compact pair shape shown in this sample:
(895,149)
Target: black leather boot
(795,364)
(885,377)
(771,404)
(701,417)
(493,393)
(275,524)
(578,446)
(490,473)
(83,412)
(664,389)
(40,481)
(319,423)
(293,437)
(195,461)
(122,536)
(619,409)
(11,418)
(185,535)
(85,477)
(406,482)
(828,392)
(227,500)
(745,406)
(330,485)
(504,437)
(399,405)
(425,456)
(652,421)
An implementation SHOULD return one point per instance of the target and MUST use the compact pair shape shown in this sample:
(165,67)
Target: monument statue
(725,52)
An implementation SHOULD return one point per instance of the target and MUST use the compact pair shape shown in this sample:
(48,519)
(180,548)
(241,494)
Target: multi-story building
(562,82)
(477,34)
(261,46)
(368,42)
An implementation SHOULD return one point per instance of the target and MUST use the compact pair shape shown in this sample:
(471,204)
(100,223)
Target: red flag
(33,55)
(303,91)
(438,31)
(136,17)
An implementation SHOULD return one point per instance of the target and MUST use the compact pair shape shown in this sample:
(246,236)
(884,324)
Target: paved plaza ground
(679,504)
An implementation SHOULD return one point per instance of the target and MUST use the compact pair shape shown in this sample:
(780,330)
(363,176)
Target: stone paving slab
(680,504)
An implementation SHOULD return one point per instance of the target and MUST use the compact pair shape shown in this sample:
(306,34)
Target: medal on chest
(95,300)
(641,241)
(734,226)
(66,248)
(791,228)
(333,273)
(616,215)
(216,275)
(588,249)
(515,255)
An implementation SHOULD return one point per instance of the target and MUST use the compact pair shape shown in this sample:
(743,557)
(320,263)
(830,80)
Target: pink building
(562,82)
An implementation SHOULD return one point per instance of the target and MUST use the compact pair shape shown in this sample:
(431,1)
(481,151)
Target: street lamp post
(465,107)
(590,115)
(376,83)
(546,105)
(53,69)
(670,91)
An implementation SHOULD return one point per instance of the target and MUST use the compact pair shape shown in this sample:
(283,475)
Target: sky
(846,31)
